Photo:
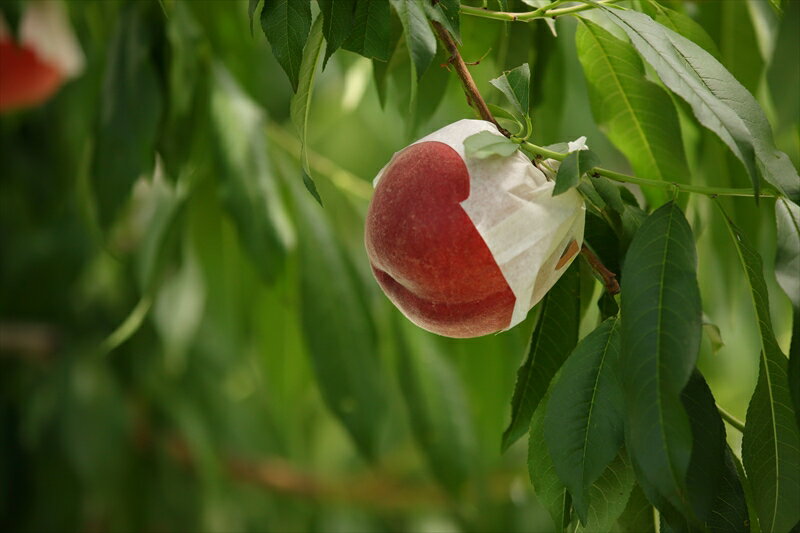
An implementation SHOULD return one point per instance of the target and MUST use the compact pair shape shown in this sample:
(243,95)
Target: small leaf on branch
(515,85)
(575,165)
(486,144)
(446,13)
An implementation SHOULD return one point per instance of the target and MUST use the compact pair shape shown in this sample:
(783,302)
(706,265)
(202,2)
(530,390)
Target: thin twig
(730,419)
(608,277)
(473,95)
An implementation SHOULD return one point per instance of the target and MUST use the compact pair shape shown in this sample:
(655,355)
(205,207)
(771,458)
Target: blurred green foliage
(184,329)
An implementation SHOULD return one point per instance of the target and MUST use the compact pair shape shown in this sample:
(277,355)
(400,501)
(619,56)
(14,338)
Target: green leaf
(661,329)
(639,116)
(252,7)
(575,165)
(609,496)
(554,337)
(126,139)
(515,85)
(787,254)
(549,489)
(420,40)
(372,25)
(719,102)
(708,446)
(342,345)
(437,407)
(585,415)
(783,73)
(638,516)
(338,17)
(300,105)
(286,24)
(771,438)
(729,512)
(446,13)
(248,189)
(684,25)
(794,366)
(486,144)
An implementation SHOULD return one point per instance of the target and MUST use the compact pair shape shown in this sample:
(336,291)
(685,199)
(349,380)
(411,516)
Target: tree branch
(473,95)
(608,277)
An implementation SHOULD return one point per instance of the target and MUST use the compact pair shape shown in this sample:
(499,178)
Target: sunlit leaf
(771,436)
(661,329)
(719,102)
(639,116)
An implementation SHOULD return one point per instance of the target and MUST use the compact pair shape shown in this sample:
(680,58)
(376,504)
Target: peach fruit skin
(26,79)
(424,250)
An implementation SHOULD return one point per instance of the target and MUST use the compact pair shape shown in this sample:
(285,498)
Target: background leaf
(729,513)
(438,409)
(771,438)
(661,329)
(286,24)
(247,186)
(341,345)
(126,139)
(554,337)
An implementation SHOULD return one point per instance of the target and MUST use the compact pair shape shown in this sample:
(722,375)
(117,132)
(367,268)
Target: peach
(466,246)
(424,250)
(46,54)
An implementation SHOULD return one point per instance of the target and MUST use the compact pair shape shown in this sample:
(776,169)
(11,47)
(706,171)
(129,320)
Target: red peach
(424,250)
(25,78)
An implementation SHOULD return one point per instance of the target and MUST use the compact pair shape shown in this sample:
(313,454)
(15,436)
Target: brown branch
(608,277)
(29,340)
(473,95)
